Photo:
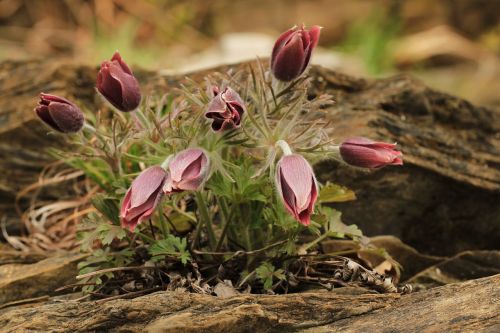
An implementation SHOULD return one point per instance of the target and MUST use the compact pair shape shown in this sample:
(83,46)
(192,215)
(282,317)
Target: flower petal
(289,60)
(280,42)
(182,161)
(147,183)
(43,112)
(298,174)
(118,59)
(129,97)
(67,116)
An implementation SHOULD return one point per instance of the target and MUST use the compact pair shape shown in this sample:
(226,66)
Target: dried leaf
(331,192)
(225,289)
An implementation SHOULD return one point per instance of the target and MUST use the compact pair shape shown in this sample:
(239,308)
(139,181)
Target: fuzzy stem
(224,231)
(307,246)
(202,208)
(166,162)
(284,147)
(88,127)
(152,229)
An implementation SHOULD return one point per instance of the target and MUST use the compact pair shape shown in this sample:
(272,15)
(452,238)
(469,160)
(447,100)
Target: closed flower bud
(226,109)
(59,113)
(292,52)
(142,197)
(297,187)
(188,170)
(116,82)
(365,153)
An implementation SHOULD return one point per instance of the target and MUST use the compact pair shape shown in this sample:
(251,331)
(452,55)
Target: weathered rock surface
(20,281)
(472,306)
(443,201)
(464,266)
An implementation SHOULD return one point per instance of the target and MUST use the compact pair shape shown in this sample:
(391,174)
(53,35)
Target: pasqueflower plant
(215,181)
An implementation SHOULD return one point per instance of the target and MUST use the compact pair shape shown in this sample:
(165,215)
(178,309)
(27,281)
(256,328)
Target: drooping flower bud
(116,82)
(59,113)
(188,170)
(292,52)
(366,153)
(226,109)
(297,186)
(142,197)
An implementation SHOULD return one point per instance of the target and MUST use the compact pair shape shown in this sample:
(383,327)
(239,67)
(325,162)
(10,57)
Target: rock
(20,281)
(444,200)
(472,305)
(410,259)
(464,266)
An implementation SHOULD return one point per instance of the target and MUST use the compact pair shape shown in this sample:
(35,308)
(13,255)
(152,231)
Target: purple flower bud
(116,82)
(297,187)
(292,52)
(142,197)
(226,109)
(59,113)
(187,171)
(365,153)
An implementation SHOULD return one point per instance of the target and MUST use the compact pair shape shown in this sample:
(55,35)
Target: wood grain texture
(472,306)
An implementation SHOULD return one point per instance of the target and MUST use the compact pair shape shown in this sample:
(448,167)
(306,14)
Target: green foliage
(108,207)
(171,246)
(267,273)
(94,229)
(99,260)
(238,212)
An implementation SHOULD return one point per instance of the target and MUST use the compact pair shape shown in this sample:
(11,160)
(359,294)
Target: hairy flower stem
(205,216)
(307,246)
(246,217)
(151,227)
(224,230)
(284,147)
(284,88)
(166,162)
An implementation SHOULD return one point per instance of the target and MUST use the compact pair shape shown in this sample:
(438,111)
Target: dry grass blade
(51,223)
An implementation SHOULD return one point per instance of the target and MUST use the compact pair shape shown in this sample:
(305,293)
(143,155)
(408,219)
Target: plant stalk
(205,215)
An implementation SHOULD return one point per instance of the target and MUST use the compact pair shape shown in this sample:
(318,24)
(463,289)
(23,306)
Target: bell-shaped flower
(366,153)
(226,109)
(188,170)
(142,197)
(116,82)
(59,113)
(292,52)
(297,186)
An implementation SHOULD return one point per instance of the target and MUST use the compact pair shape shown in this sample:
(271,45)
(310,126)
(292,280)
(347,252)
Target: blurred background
(452,45)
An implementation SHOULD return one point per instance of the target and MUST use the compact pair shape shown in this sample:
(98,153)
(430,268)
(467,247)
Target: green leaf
(112,232)
(266,272)
(107,207)
(331,192)
(337,228)
(170,246)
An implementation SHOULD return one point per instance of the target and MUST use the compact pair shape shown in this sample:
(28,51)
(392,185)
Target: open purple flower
(142,197)
(292,52)
(59,113)
(187,171)
(297,186)
(116,82)
(226,109)
(366,153)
